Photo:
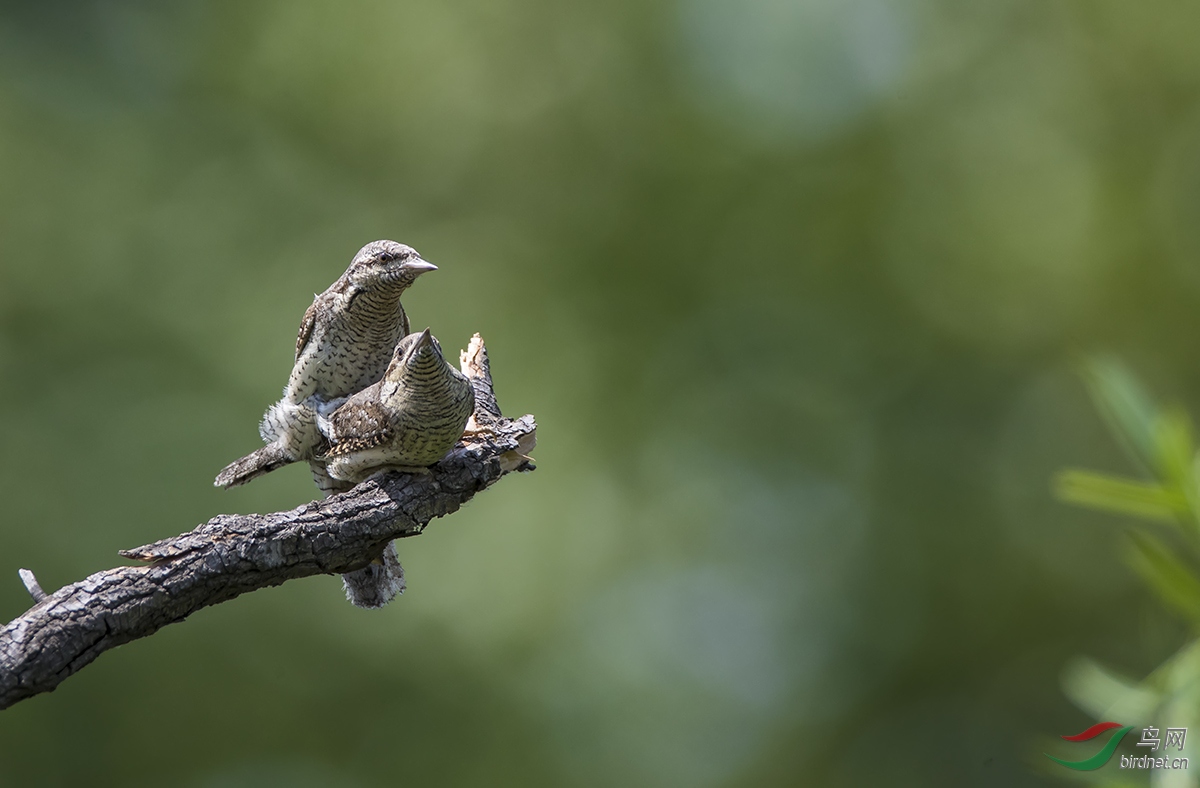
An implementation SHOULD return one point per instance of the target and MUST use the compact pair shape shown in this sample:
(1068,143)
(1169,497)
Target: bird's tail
(253,465)
(378,582)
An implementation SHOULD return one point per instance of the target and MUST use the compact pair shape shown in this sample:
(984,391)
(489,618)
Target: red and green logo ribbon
(1100,758)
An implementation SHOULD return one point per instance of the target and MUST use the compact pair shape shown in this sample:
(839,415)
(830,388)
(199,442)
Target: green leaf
(1174,447)
(1125,407)
(1107,695)
(1174,582)
(1122,495)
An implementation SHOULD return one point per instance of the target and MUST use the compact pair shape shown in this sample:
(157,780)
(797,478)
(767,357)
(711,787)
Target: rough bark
(233,554)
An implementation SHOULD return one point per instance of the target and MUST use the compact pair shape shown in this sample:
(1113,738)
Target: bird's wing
(358,426)
(306,328)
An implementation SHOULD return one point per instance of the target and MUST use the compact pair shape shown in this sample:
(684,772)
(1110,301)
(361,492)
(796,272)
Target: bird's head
(386,264)
(420,346)
(418,358)
(418,354)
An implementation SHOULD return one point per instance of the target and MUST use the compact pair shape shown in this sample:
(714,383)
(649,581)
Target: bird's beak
(419,266)
(425,340)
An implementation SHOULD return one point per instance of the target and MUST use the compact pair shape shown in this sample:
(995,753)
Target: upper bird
(345,343)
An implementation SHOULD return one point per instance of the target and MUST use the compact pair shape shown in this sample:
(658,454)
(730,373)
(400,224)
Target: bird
(407,421)
(345,342)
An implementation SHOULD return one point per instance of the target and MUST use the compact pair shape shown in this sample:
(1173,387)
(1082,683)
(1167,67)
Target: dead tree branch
(233,554)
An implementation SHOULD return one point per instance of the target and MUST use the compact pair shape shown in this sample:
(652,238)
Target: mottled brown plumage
(345,342)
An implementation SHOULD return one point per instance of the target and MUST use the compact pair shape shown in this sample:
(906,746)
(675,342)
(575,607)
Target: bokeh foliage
(791,287)
(1165,552)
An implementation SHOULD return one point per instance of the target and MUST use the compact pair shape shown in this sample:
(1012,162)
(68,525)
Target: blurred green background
(792,287)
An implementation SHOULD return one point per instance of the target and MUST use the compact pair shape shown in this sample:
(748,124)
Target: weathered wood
(233,554)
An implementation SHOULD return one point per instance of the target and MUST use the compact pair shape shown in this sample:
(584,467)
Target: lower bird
(407,421)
